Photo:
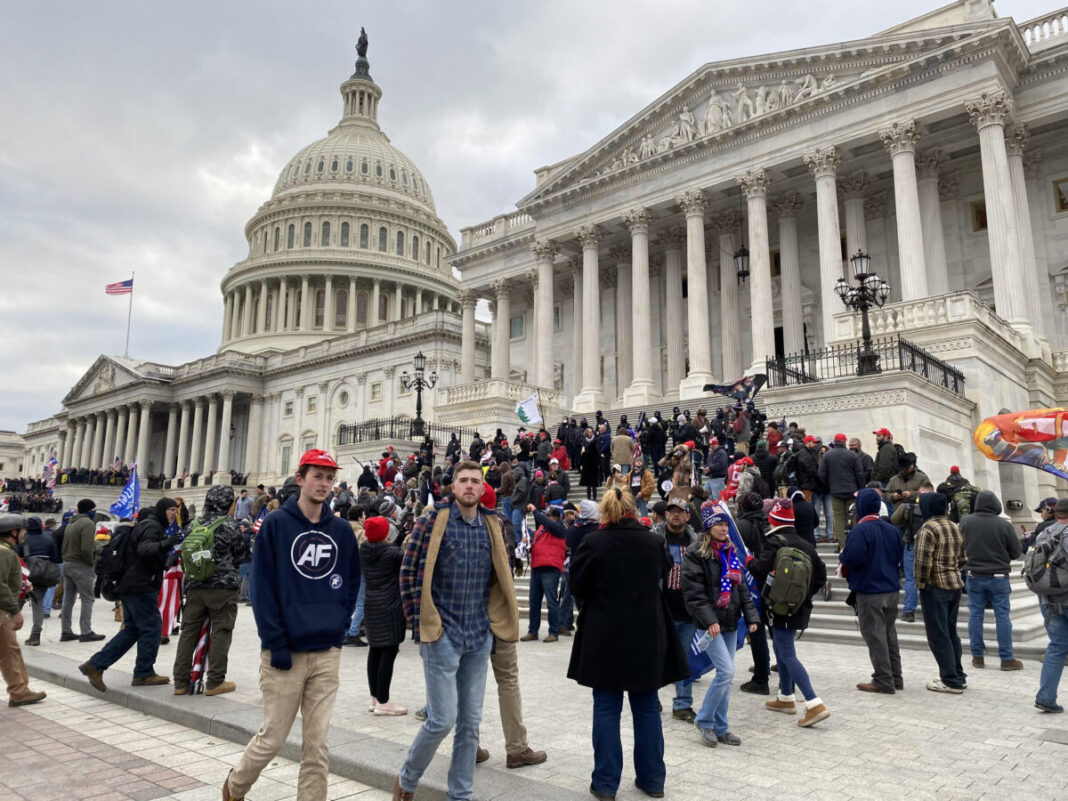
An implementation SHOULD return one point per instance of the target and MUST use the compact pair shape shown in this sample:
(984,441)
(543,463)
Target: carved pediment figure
(760,106)
(743,104)
(687,125)
(105,379)
(807,88)
(717,115)
(786,95)
(648,148)
(829,82)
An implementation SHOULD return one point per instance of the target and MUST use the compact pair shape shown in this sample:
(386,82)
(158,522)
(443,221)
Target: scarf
(730,571)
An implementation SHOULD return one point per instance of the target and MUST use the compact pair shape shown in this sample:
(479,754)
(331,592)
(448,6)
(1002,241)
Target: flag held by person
(129,499)
(527,410)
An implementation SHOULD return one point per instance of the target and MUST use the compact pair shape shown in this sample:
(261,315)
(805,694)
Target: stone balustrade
(493,388)
(1041,31)
(500,226)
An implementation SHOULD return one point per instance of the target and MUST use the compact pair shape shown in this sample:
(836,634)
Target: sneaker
(528,637)
(96,677)
(226,790)
(755,687)
(33,639)
(481,755)
(220,688)
(356,641)
(551,638)
(978,662)
(527,756)
(779,705)
(908,617)
(420,714)
(709,738)
(650,793)
(814,713)
(872,687)
(389,709)
(371,707)
(26,700)
(67,636)
(1011,664)
(181,689)
(686,714)
(936,686)
(729,739)
(92,636)
(150,681)
(398,793)
(1048,707)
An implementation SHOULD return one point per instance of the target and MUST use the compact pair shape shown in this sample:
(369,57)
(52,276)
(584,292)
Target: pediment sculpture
(105,379)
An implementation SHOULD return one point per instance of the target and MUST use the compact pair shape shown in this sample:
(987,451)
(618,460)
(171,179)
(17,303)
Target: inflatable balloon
(1037,438)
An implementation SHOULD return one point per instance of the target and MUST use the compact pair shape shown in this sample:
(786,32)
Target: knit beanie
(376,529)
(489,497)
(868,503)
(711,515)
(85,506)
(782,513)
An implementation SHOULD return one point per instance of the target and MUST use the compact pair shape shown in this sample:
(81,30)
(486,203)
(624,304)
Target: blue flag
(750,582)
(129,499)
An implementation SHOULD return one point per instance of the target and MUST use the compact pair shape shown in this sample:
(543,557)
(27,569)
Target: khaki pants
(840,508)
(505,665)
(12,667)
(220,605)
(310,686)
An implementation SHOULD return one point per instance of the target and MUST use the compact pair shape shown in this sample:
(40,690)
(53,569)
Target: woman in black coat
(590,465)
(626,641)
(751,526)
(383,613)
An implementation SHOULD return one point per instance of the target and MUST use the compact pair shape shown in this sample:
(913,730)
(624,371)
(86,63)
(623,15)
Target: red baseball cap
(840,437)
(884,432)
(318,458)
(809,439)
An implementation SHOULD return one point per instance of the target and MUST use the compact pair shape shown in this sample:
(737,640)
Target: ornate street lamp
(870,291)
(741,255)
(419,381)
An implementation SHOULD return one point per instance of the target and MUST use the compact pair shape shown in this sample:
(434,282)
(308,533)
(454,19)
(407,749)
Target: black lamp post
(871,290)
(419,381)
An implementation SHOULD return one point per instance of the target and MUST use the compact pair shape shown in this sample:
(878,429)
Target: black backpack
(113,562)
(44,573)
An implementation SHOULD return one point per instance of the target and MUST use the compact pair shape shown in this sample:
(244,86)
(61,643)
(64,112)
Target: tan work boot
(782,703)
(398,793)
(27,699)
(526,757)
(96,677)
(1011,664)
(220,688)
(226,790)
(150,681)
(815,711)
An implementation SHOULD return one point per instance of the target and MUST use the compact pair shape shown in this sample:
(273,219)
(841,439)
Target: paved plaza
(989,743)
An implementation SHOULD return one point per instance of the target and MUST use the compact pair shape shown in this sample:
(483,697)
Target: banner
(742,390)
(1037,438)
(129,499)
(527,410)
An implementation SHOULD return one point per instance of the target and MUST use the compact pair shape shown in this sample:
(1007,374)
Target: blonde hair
(616,503)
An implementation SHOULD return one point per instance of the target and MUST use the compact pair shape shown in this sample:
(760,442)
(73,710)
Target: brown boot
(782,704)
(26,700)
(226,790)
(481,755)
(220,688)
(398,793)
(96,677)
(815,711)
(150,681)
(526,757)
(1011,664)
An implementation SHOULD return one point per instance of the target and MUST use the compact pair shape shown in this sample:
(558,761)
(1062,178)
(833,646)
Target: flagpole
(129,314)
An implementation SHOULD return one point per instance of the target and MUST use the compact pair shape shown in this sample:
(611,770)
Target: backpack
(113,562)
(786,589)
(198,550)
(913,521)
(1046,568)
(963,502)
(44,573)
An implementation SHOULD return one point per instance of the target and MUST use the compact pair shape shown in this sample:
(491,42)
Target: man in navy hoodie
(306,570)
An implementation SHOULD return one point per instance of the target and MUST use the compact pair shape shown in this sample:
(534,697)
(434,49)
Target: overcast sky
(142,136)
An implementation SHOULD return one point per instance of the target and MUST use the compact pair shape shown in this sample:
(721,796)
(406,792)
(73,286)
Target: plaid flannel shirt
(939,555)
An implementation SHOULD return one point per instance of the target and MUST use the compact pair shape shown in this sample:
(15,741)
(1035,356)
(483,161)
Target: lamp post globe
(419,381)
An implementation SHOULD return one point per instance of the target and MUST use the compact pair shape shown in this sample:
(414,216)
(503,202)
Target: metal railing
(896,354)
(381,428)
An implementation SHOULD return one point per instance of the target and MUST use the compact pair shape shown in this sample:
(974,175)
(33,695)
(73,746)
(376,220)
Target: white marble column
(350,311)
(929,165)
(96,458)
(228,318)
(76,448)
(183,442)
(398,295)
(247,312)
(109,440)
(576,327)
(755,185)
(673,241)
(620,269)
(277,300)
(372,315)
(591,397)
(693,205)
(287,319)
(235,321)
(211,436)
(1016,141)
(900,141)
(468,300)
(171,442)
(120,434)
(67,435)
(144,435)
(87,442)
(544,255)
(196,464)
(642,388)
(261,308)
(732,364)
(305,306)
(823,164)
(418,300)
(224,437)
(328,303)
(787,208)
(255,427)
(501,367)
(130,452)
(853,188)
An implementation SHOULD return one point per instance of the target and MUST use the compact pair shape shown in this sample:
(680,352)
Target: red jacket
(560,454)
(547,550)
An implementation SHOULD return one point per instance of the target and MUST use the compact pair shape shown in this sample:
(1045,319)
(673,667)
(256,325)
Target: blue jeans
(608,748)
(791,671)
(50,593)
(455,685)
(244,574)
(715,486)
(995,590)
(684,689)
(566,614)
(141,626)
(357,614)
(544,581)
(909,563)
(624,468)
(713,714)
(825,509)
(1056,653)
(506,507)
(517,520)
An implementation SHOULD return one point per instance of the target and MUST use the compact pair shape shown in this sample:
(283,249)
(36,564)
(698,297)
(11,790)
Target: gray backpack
(1046,566)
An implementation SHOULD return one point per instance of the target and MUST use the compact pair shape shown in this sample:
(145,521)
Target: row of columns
(96,441)
(195,427)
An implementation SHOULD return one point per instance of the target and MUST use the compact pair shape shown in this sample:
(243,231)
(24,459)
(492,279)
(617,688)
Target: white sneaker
(389,709)
(936,686)
(372,705)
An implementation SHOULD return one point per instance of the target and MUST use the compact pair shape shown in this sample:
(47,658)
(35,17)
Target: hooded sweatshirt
(990,544)
(307,577)
(873,549)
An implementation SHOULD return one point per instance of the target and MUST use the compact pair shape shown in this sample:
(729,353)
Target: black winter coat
(626,639)
(766,464)
(760,567)
(806,521)
(589,463)
(146,558)
(840,472)
(751,527)
(700,588)
(383,613)
(808,470)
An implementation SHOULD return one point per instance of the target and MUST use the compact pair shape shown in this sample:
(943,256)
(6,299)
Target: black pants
(591,492)
(380,670)
(758,646)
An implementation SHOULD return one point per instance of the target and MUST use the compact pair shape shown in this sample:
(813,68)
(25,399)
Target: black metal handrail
(380,428)
(839,361)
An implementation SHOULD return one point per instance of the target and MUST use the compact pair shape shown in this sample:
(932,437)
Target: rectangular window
(311,404)
(558,321)
(978,208)
(776,263)
(515,327)
(1060,195)
(376,391)
(287,410)
(287,451)
(308,444)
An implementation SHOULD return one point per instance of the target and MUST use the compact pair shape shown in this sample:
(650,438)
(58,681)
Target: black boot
(34,638)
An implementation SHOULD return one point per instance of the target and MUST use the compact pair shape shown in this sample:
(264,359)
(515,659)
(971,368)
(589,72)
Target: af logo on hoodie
(314,555)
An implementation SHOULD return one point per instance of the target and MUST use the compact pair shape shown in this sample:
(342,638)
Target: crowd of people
(705,527)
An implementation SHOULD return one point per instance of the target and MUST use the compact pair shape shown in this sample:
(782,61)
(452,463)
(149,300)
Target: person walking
(840,472)
(548,550)
(622,565)
(1054,613)
(12,666)
(79,577)
(383,614)
(39,544)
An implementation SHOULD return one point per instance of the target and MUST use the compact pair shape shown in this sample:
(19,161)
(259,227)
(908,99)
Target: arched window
(382,239)
(289,236)
(383,308)
(426,256)
(348,166)
(307,168)
(415,247)
(378,170)
(324,237)
(404,178)
(320,167)
(400,243)
(320,307)
(364,233)
(333,165)
(361,308)
(392,173)
(363,166)
(307,234)
(277,236)
(344,234)
(341,308)
(270,312)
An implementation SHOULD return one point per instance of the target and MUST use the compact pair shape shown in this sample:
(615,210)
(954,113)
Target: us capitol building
(693,243)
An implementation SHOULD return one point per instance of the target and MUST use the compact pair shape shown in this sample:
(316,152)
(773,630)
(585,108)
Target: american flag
(259,520)
(50,472)
(119,287)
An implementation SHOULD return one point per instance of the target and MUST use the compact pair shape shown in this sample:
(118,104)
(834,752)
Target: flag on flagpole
(129,499)
(200,659)
(119,287)
(527,410)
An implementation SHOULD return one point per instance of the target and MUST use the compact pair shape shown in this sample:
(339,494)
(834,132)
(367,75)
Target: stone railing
(500,226)
(226,360)
(905,317)
(1040,31)
(494,388)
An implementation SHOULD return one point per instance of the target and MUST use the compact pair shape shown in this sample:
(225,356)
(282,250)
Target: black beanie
(85,506)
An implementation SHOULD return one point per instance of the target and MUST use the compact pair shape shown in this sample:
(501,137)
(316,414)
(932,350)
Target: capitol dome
(349,239)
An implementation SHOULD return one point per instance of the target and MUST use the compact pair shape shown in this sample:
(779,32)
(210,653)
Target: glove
(734,576)
(281,659)
(724,600)
(171,541)
(749,559)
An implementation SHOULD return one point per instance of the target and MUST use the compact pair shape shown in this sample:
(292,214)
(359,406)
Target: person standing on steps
(79,558)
